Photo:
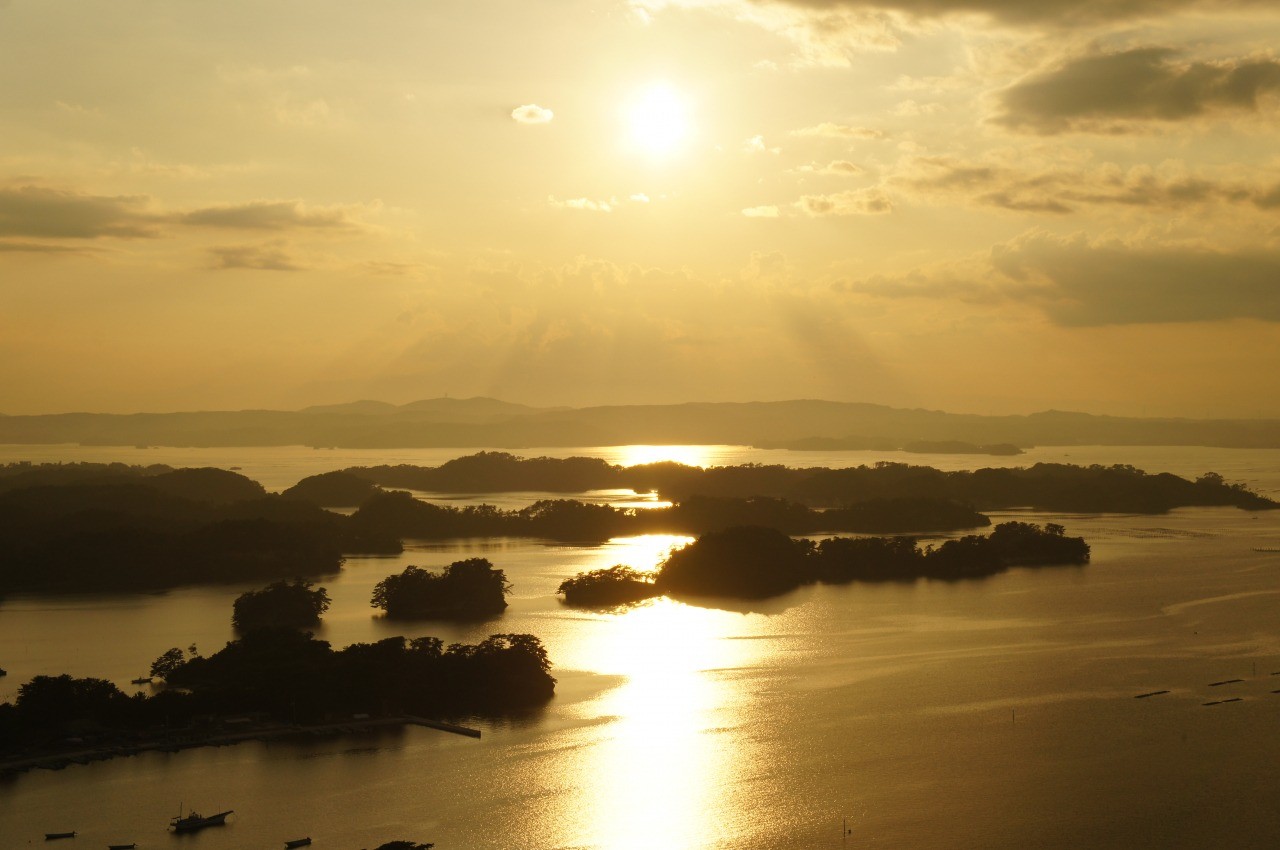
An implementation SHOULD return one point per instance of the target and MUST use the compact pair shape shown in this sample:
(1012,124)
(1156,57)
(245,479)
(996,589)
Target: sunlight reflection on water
(666,754)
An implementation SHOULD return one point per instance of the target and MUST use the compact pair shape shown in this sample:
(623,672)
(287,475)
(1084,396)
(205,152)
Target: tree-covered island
(280,676)
(282,604)
(752,562)
(1042,486)
(465,590)
(617,585)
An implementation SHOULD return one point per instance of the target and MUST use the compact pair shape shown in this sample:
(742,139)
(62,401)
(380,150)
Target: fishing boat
(195,821)
(298,842)
(49,836)
(141,680)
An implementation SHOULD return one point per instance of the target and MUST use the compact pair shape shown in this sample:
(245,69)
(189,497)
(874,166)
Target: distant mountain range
(490,423)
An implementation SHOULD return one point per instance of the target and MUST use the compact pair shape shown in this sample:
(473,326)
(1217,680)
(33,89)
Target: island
(96,528)
(754,562)
(471,589)
(1042,486)
(293,604)
(275,681)
(617,585)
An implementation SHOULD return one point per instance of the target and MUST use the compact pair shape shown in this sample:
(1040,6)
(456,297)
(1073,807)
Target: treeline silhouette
(752,562)
(290,676)
(467,589)
(397,513)
(293,604)
(1043,486)
(97,529)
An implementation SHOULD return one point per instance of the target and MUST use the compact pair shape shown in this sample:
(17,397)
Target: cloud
(834,168)
(1108,283)
(584,204)
(269,256)
(1109,92)
(756,144)
(58,214)
(829,14)
(871,201)
(761,212)
(829,130)
(1078,282)
(43,248)
(274,215)
(640,198)
(531,113)
(1057,188)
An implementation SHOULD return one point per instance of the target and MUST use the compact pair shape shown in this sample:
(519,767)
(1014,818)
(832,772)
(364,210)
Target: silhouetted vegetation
(469,589)
(140,532)
(753,562)
(1044,486)
(337,489)
(617,585)
(959,447)
(397,513)
(290,676)
(282,604)
(498,472)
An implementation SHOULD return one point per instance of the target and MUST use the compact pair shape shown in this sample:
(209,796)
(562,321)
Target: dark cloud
(1076,282)
(1110,91)
(58,214)
(271,256)
(1114,283)
(1060,12)
(1066,189)
(43,248)
(853,202)
(272,215)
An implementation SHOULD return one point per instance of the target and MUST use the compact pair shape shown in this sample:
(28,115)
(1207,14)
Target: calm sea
(992,713)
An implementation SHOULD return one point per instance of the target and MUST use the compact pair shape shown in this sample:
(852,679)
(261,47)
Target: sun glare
(657,119)
(637,455)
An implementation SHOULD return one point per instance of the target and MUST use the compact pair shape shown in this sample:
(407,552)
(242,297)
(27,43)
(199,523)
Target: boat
(122,846)
(298,842)
(141,680)
(49,836)
(195,821)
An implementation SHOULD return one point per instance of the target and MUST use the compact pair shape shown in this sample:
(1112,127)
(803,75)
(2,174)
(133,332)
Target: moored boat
(298,842)
(50,836)
(122,846)
(195,821)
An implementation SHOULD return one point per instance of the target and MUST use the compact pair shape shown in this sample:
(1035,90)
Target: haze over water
(988,713)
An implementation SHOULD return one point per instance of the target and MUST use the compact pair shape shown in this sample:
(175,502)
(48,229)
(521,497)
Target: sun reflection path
(664,777)
(688,455)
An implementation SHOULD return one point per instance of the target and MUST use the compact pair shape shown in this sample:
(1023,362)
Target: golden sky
(974,205)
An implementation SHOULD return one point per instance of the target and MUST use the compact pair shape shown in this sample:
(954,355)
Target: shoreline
(176,742)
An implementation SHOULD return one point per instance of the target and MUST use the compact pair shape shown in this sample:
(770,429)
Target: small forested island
(617,585)
(283,604)
(281,676)
(753,562)
(959,447)
(465,590)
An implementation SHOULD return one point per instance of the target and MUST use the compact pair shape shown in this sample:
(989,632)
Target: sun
(657,120)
